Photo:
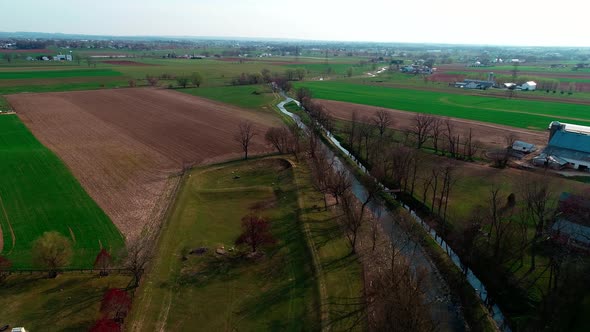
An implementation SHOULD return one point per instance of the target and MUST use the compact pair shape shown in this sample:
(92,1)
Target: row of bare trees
(395,295)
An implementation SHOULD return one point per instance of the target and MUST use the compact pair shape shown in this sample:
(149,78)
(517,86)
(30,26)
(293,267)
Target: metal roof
(571,141)
(578,232)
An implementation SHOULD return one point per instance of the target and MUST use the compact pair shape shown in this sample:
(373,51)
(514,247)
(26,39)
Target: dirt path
(490,135)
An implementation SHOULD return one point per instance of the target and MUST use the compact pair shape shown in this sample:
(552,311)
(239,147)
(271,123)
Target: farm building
(553,162)
(572,227)
(570,143)
(524,147)
(529,86)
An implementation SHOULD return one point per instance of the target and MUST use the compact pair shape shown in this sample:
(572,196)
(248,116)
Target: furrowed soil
(125,146)
(490,135)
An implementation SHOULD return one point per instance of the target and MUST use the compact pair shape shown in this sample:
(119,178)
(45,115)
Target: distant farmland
(511,112)
(45,74)
(38,193)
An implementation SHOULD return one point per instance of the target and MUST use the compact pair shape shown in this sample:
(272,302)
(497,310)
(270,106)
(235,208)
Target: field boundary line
(322,288)
(9,227)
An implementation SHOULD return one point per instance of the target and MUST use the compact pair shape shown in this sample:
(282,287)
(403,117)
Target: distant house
(570,143)
(529,86)
(524,147)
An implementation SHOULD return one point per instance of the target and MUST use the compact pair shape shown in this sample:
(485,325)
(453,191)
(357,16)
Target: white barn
(529,86)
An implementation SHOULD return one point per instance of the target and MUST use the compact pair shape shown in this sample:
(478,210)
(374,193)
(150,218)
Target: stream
(448,314)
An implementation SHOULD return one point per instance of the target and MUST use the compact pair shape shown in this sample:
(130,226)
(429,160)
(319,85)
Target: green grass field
(511,112)
(278,292)
(70,302)
(38,194)
(217,293)
(45,74)
(247,96)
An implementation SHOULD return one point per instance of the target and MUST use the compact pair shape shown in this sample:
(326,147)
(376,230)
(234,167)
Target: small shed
(529,86)
(524,147)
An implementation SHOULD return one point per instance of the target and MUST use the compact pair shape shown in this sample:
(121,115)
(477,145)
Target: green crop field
(58,74)
(247,96)
(511,112)
(38,194)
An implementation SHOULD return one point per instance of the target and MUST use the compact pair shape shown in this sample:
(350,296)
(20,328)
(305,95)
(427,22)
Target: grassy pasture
(216,293)
(247,96)
(511,112)
(70,302)
(279,292)
(38,194)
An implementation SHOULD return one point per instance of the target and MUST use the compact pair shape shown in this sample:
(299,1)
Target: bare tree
(352,219)
(470,146)
(352,129)
(536,196)
(436,130)
(244,136)
(338,182)
(422,128)
(396,295)
(366,131)
(280,138)
(139,252)
(152,80)
(382,120)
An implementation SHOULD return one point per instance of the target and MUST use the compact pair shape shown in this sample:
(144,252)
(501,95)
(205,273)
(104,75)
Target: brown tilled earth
(490,135)
(125,145)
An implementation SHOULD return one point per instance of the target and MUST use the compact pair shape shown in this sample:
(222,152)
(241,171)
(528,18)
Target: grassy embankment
(223,292)
(511,112)
(38,194)
(70,302)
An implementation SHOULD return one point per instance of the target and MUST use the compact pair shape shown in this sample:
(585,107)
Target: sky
(495,22)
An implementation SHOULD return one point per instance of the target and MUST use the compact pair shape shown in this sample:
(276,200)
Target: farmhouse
(570,143)
(529,86)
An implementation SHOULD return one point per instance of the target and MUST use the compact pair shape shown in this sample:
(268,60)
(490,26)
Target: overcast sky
(504,22)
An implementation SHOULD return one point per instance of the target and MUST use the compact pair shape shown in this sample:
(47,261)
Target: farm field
(258,97)
(70,302)
(126,146)
(38,194)
(511,112)
(45,74)
(490,135)
(214,292)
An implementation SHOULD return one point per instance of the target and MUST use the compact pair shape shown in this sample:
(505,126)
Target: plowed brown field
(124,145)
(490,135)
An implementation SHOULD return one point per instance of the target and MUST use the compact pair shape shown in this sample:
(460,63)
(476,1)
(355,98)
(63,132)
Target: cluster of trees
(510,231)
(281,80)
(183,81)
